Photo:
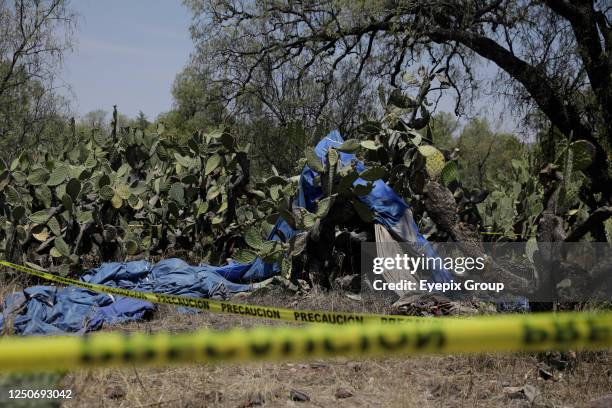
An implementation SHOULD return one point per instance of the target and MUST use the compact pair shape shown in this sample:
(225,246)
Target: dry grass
(8,285)
(452,381)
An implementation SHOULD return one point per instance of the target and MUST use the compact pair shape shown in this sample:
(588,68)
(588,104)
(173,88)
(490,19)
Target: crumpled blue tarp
(56,310)
(390,210)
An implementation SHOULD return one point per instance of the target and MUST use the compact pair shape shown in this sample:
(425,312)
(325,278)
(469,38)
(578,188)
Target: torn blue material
(390,210)
(55,310)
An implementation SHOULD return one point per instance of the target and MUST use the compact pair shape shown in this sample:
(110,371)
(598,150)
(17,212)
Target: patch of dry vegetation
(433,381)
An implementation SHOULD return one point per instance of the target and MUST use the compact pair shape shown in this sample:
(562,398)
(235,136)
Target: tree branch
(597,217)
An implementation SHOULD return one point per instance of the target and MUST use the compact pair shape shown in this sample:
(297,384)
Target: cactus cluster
(514,206)
(133,192)
(130,192)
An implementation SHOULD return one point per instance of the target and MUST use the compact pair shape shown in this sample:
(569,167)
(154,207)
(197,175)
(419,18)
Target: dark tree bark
(442,208)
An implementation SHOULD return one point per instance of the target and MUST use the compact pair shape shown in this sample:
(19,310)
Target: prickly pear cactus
(127,193)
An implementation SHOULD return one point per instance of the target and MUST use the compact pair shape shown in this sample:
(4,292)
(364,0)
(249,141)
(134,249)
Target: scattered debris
(431,305)
(561,360)
(514,392)
(348,282)
(343,393)
(299,396)
(545,373)
(434,392)
(213,396)
(352,296)
(285,283)
(530,392)
(254,400)
(261,291)
(191,404)
(115,392)
(605,401)
(303,285)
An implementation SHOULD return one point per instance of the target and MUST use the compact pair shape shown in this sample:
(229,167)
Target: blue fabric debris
(57,310)
(390,210)
(48,310)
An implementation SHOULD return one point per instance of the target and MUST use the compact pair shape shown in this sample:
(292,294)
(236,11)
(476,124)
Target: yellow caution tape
(509,333)
(215,306)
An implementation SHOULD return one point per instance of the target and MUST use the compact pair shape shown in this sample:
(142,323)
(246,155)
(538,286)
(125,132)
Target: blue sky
(127,53)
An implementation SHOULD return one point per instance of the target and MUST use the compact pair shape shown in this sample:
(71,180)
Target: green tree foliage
(30,114)
(198,103)
(553,55)
(96,119)
(282,108)
(444,126)
(485,154)
(278,147)
(141,121)
(33,38)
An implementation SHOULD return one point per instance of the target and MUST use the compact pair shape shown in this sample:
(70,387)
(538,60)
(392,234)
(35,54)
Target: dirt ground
(488,380)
